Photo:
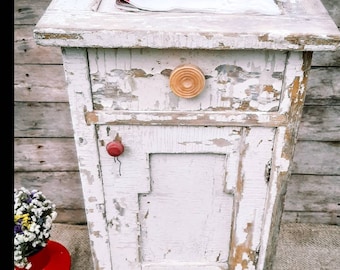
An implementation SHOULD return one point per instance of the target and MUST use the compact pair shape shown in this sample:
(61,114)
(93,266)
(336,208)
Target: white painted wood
(39,77)
(201,182)
(186,217)
(137,178)
(79,92)
(138,79)
(267,7)
(294,91)
(134,174)
(251,195)
(303,25)
(26,50)
(125,179)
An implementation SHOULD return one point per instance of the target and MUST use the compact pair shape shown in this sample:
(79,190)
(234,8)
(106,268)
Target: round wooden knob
(187,81)
(115,148)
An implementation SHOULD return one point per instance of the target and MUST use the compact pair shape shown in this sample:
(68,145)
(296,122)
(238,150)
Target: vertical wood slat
(297,70)
(79,92)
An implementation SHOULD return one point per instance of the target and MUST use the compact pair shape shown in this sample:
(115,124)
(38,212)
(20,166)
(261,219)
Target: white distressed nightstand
(185,126)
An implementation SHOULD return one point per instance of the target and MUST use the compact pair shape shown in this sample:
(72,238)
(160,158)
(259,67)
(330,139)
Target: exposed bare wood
(323,86)
(307,201)
(312,157)
(320,123)
(193,118)
(45,154)
(26,51)
(330,218)
(326,59)
(63,188)
(313,193)
(33,119)
(333,9)
(29,11)
(39,83)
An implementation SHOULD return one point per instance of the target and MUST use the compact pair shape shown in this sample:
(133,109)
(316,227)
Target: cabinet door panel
(170,198)
(187,215)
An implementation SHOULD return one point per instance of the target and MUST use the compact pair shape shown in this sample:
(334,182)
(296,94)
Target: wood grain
(42,118)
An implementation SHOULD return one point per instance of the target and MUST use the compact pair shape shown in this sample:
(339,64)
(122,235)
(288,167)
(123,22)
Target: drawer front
(138,79)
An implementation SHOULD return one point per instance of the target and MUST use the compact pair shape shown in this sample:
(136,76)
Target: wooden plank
(311,217)
(39,83)
(313,193)
(333,8)
(320,123)
(79,92)
(326,59)
(29,11)
(45,154)
(63,188)
(48,119)
(26,51)
(299,187)
(311,157)
(317,158)
(47,83)
(323,86)
(329,58)
(32,119)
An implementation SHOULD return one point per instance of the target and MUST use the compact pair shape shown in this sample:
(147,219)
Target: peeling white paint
(196,166)
(146,117)
(267,7)
(230,79)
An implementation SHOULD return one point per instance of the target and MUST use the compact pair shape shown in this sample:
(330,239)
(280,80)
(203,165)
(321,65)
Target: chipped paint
(182,118)
(63,36)
(243,255)
(143,85)
(198,162)
(109,28)
(221,142)
(91,117)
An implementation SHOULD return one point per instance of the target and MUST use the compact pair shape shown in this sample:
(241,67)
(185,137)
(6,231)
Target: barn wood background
(45,154)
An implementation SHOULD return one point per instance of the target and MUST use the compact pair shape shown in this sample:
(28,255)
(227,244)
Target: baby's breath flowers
(33,217)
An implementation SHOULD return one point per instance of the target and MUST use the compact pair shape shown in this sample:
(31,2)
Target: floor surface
(300,247)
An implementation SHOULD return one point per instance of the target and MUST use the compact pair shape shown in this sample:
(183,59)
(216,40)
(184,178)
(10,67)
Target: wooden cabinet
(202,178)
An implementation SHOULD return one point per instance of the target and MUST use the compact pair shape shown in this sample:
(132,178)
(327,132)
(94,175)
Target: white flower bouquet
(33,217)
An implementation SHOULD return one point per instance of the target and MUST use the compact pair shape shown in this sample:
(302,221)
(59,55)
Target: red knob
(115,148)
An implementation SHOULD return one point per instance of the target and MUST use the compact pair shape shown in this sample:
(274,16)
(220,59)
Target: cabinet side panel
(250,196)
(294,92)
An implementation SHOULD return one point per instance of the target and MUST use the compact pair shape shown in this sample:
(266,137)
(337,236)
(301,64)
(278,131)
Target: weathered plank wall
(44,150)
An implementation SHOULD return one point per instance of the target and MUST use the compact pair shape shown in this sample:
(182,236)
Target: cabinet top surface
(300,25)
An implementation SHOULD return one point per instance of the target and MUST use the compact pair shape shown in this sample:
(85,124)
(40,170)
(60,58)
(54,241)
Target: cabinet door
(184,197)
